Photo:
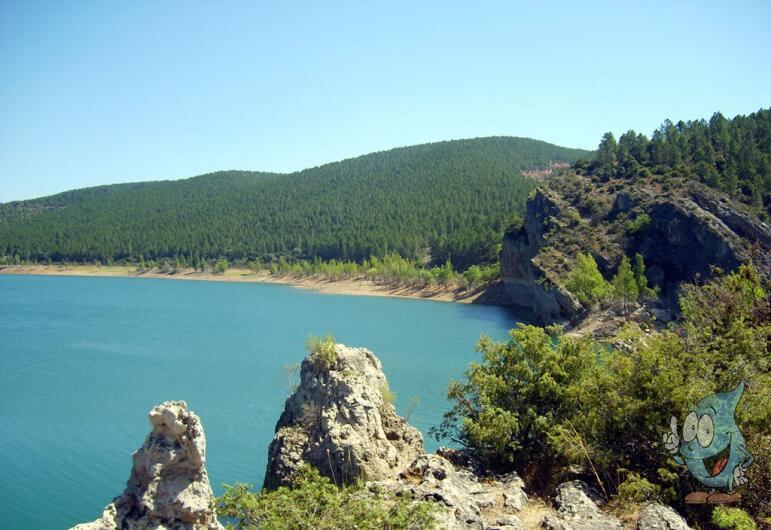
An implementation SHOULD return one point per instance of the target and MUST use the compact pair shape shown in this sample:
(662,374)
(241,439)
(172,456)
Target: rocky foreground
(340,420)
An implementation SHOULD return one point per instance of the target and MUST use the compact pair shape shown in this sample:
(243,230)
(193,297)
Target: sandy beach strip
(361,287)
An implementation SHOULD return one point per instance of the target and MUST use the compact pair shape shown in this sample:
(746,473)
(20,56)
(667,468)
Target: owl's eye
(690,427)
(705,432)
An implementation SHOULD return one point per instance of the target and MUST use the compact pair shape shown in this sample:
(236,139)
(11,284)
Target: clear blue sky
(102,92)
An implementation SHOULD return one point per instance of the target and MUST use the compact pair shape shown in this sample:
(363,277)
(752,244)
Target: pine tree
(625,285)
(640,279)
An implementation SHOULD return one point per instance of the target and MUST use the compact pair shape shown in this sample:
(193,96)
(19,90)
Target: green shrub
(638,224)
(322,351)
(506,407)
(585,281)
(636,489)
(221,266)
(732,518)
(559,402)
(314,502)
(389,396)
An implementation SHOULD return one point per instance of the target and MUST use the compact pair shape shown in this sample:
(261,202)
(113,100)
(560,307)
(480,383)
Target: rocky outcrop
(656,516)
(740,223)
(526,284)
(681,231)
(577,511)
(168,487)
(682,242)
(340,421)
(466,501)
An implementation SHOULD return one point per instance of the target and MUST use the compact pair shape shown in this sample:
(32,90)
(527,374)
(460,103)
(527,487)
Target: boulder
(577,511)
(340,421)
(168,487)
(656,516)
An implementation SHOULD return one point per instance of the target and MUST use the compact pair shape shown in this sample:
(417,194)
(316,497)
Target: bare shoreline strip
(358,287)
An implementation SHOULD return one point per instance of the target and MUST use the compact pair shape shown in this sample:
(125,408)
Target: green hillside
(731,155)
(447,199)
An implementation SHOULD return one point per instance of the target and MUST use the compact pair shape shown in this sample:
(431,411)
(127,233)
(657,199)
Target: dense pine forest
(430,203)
(733,156)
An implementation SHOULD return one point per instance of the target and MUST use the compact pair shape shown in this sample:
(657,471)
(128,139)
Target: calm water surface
(82,361)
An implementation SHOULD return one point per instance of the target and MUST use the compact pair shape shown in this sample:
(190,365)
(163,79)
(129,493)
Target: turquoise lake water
(82,361)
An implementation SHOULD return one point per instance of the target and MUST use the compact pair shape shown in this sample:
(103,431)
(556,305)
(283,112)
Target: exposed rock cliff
(168,487)
(680,229)
(340,421)
(526,283)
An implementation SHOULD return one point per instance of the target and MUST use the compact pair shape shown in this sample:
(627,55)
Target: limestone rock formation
(577,511)
(467,502)
(656,516)
(339,421)
(168,487)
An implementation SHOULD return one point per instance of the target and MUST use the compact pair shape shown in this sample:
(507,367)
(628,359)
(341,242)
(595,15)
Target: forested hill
(731,155)
(447,199)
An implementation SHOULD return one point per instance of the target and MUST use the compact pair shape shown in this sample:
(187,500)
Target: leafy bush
(585,281)
(506,408)
(221,266)
(322,351)
(558,402)
(637,489)
(314,502)
(732,518)
(638,224)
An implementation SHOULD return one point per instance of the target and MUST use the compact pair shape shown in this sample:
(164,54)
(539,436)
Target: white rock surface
(656,516)
(577,511)
(339,422)
(465,501)
(168,487)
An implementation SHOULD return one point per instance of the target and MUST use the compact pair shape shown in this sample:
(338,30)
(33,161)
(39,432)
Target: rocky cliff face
(681,230)
(526,284)
(340,421)
(168,487)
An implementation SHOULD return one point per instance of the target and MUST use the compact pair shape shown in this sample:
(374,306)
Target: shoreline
(352,287)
